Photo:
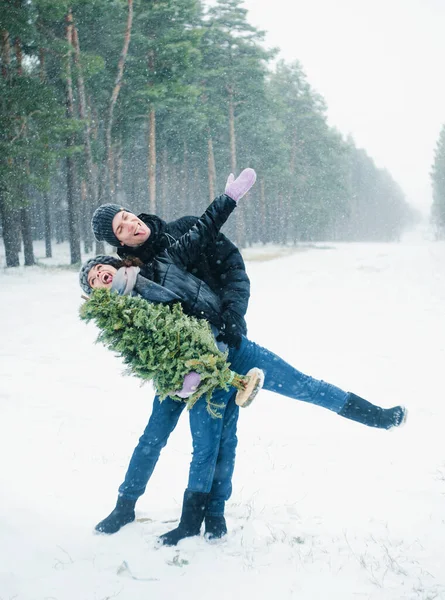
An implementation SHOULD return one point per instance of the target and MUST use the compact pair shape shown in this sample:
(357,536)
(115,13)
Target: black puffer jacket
(169,268)
(220,265)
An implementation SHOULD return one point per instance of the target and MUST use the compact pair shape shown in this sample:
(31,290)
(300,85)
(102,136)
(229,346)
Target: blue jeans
(214,440)
(214,448)
(162,422)
(282,378)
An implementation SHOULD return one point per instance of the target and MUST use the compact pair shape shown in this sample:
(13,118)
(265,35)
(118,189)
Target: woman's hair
(103,259)
(131,261)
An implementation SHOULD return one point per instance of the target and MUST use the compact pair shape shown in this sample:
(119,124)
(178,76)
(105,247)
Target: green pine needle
(160,343)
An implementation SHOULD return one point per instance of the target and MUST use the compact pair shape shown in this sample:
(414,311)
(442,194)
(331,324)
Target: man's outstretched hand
(237,188)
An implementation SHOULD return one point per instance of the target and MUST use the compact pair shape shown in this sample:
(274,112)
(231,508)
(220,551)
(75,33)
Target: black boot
(215,527)
(362,411)
(193,510)
(121,515)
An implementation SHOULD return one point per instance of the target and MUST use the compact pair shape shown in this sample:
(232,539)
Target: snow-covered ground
(322,508)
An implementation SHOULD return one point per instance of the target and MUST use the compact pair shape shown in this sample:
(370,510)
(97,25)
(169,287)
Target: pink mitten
(237,188)
(190,385)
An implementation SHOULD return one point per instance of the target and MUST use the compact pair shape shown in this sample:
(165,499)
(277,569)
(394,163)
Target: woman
(165,279)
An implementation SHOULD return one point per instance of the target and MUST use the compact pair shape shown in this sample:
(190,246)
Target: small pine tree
(160,343)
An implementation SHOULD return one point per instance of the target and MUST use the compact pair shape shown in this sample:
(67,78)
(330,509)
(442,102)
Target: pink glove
(190,385)
(237,188)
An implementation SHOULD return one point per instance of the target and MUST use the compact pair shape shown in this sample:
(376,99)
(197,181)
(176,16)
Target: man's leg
(206,435)
(215,523)
(162,422)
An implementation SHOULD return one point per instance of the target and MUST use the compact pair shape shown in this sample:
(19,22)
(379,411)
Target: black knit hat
(100,259)
(102,223)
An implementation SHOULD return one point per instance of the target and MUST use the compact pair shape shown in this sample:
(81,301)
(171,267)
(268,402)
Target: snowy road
(322,508)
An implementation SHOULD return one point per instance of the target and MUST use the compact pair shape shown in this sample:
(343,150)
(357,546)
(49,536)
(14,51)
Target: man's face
(130,230)
(101,276)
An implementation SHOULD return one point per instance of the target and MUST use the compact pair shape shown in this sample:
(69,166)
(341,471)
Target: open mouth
(107,278)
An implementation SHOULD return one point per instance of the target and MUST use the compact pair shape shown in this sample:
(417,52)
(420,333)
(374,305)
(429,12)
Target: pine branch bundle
(160,343)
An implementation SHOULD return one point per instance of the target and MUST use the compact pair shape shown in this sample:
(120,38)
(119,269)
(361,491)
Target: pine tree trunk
(113,99)
(45,195)
(293,154)
(42,72)
(119,169)
(18,56)
(284,217)
(90,202)
(186,200)
(132,192)
(10,233)
(288,225)
(102,174)
(240,227)
(174,190)
(5,53)
(73,218)
(232,136)
(111,191)
(47,221)
(17,239)
(211,169)
(25,211)
(84,221)
(152,159)
(25,223)
(131,172)
(164,181)
(280,223)
(196,193)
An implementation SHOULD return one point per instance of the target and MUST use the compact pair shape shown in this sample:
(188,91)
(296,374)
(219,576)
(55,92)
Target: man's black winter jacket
(169,268)
(220,264)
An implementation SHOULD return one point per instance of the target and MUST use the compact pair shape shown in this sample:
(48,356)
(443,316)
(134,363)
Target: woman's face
(101,276)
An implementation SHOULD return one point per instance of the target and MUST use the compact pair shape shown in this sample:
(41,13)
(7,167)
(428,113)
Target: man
(222,268)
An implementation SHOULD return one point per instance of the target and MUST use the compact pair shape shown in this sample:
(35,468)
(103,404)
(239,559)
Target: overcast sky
(379,65)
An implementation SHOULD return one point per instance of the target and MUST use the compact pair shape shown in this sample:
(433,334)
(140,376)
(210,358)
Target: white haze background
(379,65)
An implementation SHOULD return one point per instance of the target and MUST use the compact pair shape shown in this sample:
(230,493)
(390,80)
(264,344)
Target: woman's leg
(163,420)
(282,378)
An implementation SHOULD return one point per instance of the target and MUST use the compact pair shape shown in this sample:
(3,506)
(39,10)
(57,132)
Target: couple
(190,262)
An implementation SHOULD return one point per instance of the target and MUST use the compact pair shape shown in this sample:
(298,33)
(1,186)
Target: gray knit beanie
(100,259)
(102,223)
